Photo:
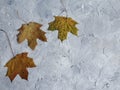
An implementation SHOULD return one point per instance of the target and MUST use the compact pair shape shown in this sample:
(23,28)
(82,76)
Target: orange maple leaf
(18,65)
(31,32)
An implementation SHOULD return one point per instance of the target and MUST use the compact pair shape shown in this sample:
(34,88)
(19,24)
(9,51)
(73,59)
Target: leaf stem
(20,17)
(64,8)
(8,40)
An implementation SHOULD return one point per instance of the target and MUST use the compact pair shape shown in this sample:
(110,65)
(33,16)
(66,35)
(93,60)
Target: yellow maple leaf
(63,25)
(31,32)
(18,65)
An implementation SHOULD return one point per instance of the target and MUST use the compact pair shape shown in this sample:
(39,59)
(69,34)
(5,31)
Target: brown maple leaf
(18,65)
(31,32)
(63,25)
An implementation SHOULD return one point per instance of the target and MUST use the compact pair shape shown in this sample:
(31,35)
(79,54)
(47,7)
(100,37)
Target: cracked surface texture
(90,61)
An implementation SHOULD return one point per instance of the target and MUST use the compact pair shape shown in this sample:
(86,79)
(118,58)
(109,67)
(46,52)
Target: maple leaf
(63,25)
(31,32)
(18,65)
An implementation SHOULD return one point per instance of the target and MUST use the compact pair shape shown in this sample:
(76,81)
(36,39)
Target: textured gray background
(90,61)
